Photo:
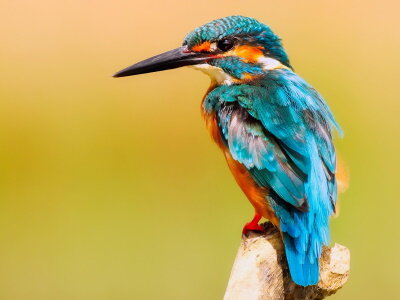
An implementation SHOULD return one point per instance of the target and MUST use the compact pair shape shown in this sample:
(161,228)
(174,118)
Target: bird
(274,129)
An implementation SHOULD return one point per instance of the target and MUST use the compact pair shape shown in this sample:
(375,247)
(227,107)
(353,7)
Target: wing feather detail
(250,144)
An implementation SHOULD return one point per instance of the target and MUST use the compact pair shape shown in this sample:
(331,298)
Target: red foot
(253,225)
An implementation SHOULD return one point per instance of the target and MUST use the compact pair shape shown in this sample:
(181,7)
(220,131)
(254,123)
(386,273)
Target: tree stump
(260,270)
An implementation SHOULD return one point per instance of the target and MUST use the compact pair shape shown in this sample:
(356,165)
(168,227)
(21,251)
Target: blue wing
(279,128)
(260,152)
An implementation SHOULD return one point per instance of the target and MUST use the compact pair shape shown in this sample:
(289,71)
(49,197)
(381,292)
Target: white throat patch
(215,73)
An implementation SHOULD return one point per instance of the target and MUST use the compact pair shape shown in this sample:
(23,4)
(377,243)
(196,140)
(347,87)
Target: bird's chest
(209,114)
(211,120)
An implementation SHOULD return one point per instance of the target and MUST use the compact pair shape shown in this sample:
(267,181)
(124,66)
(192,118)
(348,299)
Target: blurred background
(112,188)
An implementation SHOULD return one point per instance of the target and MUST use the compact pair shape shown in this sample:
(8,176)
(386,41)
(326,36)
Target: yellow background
(112,188)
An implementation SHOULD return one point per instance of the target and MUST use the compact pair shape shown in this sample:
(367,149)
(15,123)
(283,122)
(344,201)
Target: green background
(112,188)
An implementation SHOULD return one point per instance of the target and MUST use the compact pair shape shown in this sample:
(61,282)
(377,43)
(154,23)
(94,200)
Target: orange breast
(254,192)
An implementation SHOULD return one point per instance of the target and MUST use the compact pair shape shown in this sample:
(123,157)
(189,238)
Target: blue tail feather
(303,270)
(304,235)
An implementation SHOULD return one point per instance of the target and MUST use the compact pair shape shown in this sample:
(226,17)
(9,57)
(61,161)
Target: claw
(253,225)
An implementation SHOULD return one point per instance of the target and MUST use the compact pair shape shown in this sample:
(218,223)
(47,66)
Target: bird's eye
(225,44)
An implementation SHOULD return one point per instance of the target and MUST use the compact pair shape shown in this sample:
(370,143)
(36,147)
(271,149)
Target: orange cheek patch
(248,53)
(204,47)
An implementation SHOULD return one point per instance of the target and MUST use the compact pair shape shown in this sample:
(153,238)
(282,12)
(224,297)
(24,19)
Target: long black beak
(169,60)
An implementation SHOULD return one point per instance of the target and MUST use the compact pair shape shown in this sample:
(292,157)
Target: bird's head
(230,49)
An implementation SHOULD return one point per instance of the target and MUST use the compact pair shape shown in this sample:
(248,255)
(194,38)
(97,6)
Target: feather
(280,129)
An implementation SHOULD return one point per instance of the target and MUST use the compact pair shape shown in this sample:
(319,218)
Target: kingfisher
(274,129)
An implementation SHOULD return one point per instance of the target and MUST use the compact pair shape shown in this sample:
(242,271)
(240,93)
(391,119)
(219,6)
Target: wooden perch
(260,271)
